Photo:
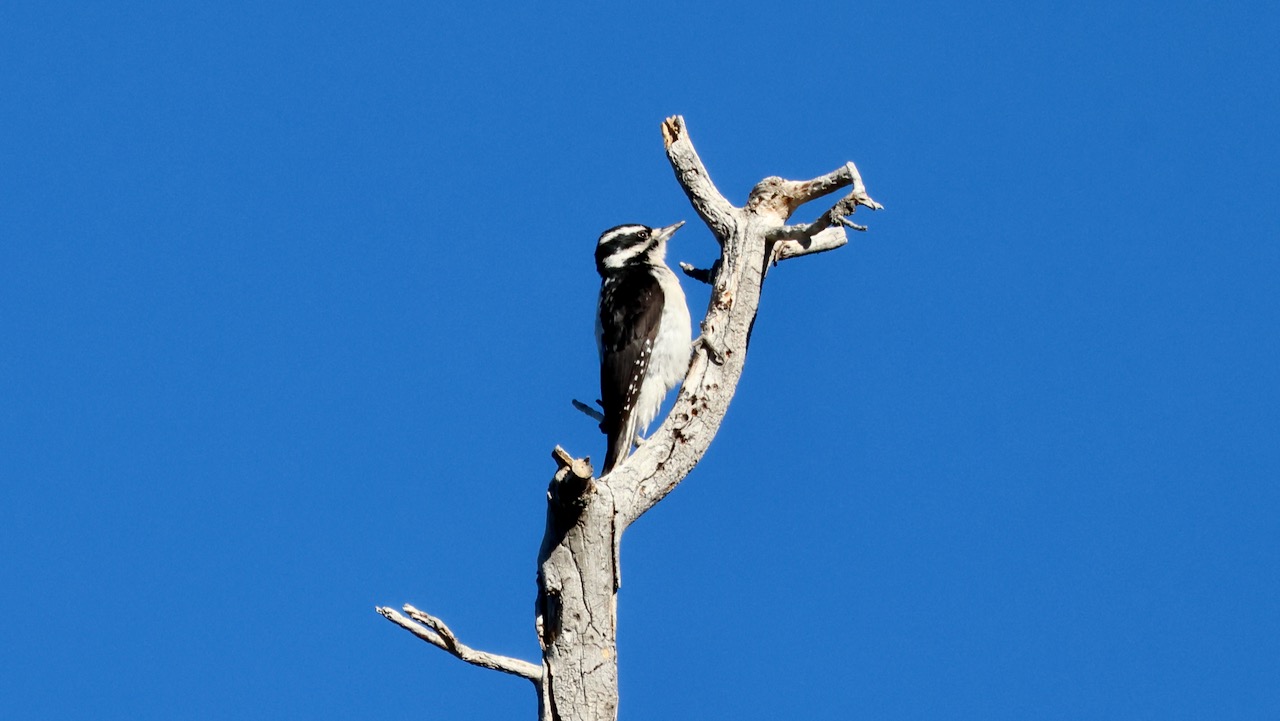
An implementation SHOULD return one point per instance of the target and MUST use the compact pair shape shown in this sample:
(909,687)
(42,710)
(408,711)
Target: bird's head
(627,245)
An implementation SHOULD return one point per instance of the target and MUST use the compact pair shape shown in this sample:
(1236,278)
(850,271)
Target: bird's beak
(664,234)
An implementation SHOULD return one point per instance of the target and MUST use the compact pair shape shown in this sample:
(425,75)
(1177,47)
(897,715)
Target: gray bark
(578,569)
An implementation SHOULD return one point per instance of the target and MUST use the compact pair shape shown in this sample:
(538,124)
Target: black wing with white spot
(630,311)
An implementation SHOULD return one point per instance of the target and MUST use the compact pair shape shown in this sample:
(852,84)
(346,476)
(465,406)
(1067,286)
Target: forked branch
(825,233)
(746,236)
(435,632)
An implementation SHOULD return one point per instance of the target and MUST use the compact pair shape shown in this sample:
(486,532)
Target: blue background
(294,299)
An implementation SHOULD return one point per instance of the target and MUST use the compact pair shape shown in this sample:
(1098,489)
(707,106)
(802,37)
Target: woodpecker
(642,332)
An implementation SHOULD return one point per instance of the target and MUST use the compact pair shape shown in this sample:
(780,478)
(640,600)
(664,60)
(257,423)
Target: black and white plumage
(642,331)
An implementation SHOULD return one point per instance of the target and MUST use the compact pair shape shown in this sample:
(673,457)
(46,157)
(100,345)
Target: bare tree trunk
(578,570)
(577,597)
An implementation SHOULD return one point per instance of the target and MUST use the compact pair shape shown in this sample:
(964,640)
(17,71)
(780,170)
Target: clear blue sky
(294,300)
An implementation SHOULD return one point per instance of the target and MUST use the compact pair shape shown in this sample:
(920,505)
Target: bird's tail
(617,451)
(620,441)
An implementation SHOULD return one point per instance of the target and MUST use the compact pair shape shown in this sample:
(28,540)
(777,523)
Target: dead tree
(578,567)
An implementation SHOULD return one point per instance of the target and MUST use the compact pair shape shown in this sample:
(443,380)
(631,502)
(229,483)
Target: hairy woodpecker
(642,332)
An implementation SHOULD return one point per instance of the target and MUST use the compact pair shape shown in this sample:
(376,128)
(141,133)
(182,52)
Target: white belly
(671,351)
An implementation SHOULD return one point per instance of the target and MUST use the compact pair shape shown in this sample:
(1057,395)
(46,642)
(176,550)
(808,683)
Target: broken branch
(435,632)
(588,410)
(703,275)
(710,204)
(801,244)
(781,197)
(827,232)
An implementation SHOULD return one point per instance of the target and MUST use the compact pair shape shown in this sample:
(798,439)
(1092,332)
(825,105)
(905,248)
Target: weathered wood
(750,238)
(435,632)
(578,569)
(577,608)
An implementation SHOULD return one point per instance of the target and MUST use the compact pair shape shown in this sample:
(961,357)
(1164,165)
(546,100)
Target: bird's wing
(630,311)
